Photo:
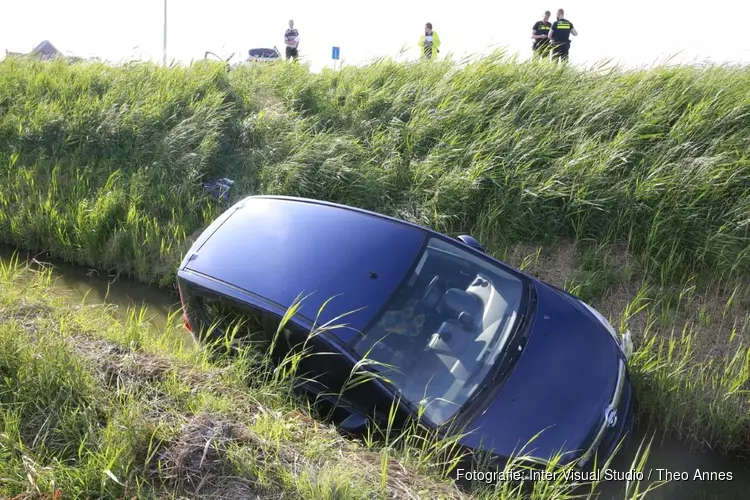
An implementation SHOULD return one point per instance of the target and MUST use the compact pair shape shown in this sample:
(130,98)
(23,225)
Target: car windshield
(444,329)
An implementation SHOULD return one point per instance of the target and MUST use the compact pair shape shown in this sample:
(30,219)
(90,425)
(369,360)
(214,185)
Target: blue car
(457,338)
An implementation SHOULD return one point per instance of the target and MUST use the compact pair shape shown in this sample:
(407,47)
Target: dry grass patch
(196,461)
(555,265)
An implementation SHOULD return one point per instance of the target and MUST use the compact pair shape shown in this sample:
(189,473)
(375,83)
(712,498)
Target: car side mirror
(355,423)
(471,242)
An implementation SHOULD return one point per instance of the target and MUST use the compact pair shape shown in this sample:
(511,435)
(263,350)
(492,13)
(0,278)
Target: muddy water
(91,287)
(669,459)
(691,475)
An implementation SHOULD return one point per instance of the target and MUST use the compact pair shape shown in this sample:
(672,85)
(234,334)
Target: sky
(643,33)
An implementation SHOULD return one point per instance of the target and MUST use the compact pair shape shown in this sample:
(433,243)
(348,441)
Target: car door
(317,364)
(341,388)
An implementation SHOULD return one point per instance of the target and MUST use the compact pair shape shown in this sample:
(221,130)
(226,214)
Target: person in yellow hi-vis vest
(429,43)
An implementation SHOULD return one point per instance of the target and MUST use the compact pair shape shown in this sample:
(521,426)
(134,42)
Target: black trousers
(561,51)
(542,51)
(291,53)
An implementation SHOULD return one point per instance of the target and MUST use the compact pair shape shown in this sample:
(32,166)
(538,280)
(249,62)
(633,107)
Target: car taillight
(184,310)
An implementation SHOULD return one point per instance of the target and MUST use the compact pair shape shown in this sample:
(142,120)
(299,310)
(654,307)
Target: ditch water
(91,287)
(668,459)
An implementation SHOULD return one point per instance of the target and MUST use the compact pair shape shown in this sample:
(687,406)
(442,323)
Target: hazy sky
(641,33)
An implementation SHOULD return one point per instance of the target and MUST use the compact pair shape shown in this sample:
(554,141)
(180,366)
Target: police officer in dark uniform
(560,36)
(539,34)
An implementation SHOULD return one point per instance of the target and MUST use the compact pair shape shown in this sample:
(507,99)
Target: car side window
(335,372)
(325,369)
(220,315)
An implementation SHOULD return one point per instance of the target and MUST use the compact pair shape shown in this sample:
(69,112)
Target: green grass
(93,406)
(692,371)
(102,166)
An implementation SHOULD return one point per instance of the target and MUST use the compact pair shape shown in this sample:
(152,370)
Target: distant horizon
(665,61)
(645,34)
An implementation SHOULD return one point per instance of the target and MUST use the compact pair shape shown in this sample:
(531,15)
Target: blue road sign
(335,53)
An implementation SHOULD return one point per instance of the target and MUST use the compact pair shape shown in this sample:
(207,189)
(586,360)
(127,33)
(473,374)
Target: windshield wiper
(513,349)
(510,356)
(517,342)
(503,365)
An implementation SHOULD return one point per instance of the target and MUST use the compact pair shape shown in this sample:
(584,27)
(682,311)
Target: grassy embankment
(95,407)
(631,189)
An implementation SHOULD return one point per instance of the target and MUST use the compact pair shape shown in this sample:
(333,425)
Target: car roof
(263,51)
(278,247)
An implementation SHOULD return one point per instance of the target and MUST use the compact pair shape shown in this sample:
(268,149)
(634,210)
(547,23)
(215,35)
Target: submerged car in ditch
(456,335)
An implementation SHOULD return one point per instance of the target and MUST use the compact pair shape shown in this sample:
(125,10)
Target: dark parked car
(263,55)
(472,340)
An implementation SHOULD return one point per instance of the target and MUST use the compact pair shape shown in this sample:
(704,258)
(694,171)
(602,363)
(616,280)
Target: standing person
(429,42)
(539,34)
(560,36)
(291,39)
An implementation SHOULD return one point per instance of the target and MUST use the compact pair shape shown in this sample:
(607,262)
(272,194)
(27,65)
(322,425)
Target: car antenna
(373,275)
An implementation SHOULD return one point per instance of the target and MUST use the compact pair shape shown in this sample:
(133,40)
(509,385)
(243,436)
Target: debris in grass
(219,188)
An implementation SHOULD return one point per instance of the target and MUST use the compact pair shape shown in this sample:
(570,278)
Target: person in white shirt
(291,39)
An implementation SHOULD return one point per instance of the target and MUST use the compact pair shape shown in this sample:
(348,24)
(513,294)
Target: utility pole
(165,33)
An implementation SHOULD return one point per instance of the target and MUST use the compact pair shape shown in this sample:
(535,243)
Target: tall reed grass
(103,165)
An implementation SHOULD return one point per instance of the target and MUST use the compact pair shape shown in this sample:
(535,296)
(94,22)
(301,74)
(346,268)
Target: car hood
(560,386)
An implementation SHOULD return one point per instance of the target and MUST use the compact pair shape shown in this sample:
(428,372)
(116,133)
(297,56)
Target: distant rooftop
(46,50)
